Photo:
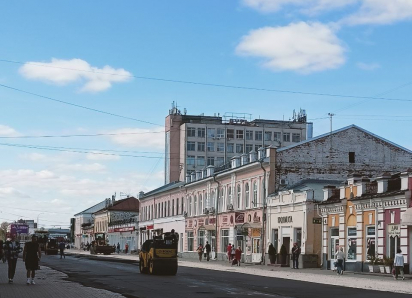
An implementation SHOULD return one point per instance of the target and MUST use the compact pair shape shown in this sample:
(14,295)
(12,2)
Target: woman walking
(200,251)
(12,249)
(398,263)
(339,261)
(31,257)
(238,255)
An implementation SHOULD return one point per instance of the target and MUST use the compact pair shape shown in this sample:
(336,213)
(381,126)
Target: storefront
(124,235)
(407,221)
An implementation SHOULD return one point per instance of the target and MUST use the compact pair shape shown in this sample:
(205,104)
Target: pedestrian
(340,256)
(31,257)
(118,247)
(208,249)
(61,248)
(12,249)
(272,254)
(126,248)
(238,255)
(88,246)
(233,252)
(295,255)
(200,251)
(229,252)
(398,263)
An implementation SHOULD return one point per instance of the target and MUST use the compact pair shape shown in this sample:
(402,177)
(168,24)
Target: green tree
(3,230)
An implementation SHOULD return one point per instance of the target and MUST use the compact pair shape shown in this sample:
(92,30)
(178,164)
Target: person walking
(12,249)
(229,252)
(200,252)
(31,258)
(232,253)
(62,246)
(126,248)
(340,256)
(208,249)
(398,263)
(118,247)
(295,255)
(272,254)
(238,255)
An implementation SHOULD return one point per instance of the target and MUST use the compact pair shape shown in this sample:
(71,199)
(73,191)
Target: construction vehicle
(52,247)
(159,255)
(100,245)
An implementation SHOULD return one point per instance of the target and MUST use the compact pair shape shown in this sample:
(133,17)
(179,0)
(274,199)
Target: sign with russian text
(285,219)
(317,221)
(394,230)
(239,217)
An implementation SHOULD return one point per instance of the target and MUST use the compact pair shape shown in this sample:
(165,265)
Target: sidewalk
(49,284)
(378,282)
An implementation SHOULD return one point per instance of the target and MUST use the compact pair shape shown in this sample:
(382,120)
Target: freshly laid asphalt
(123,277)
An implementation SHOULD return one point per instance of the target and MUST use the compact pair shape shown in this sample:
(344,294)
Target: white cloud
(94,156)
(7,131)
(380,12)
(94,167)
(139,138)
(34,157)
(10,192)
(63,72)
(302,47)
(368,66)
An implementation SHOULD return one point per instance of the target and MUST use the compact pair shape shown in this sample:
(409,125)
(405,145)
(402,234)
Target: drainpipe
(321,238)
(263,212)
(217,205)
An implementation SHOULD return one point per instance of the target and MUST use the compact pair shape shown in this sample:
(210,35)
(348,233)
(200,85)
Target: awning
(250,225)
(407,217)
(208,227)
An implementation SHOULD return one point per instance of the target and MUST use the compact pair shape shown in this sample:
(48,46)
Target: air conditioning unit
(212,210)
(205,211)
(230,207)
(283,182)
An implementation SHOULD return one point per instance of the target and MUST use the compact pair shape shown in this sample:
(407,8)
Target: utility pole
(330,116)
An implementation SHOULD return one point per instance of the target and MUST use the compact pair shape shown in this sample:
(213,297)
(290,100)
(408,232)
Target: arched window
(195,206)
(229,191)
(177,206)
(221,199)
(212,199)
(182,206)
(190,206)
(162,214)
(168,208)
(247,195)
(239,197)
(255,194)
(200,204)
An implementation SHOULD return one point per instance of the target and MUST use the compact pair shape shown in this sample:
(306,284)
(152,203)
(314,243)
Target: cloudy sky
(84,88)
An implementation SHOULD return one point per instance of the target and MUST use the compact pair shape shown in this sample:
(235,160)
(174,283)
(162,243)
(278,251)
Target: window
(201,161)
(200,132)
(201,238)
(277,136)
(370,242)
(195,206)
(225,240)
(255,195)
(220,161)
(210,132)
(168,208)
(212,199)
(177,206)
(182,206)
(239,148)
(190,241)
(220,147)
(239,134)
(201,146)
(247,197)
(351,244)
(298,236)
(249,135)
(258,136)
(230,133)
(229,191)
(191,132)
(220,133)
(296,137)
(221,199)
(210,146)
(268,136)
(191,146)
(190,161)
(249,148)
(189,207)
(200,204)
(239,197)
(230,148)
(351,157)
(286,137)
(210,161)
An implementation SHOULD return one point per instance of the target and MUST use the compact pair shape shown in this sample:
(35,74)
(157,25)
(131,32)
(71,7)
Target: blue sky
(346,47)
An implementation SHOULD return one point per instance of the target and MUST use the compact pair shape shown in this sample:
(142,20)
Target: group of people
(204,251)
(126,248)
(31,257)
(234,254)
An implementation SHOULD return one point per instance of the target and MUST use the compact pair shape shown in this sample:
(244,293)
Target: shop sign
(256,232)
(125,229)
(19,229)
(394,230)
(151,227)
(317,221)
(239,217)
(212,221)
(285,219)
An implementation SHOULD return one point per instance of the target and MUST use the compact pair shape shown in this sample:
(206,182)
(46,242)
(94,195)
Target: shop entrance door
(286,243)
(334,247)
(256,254)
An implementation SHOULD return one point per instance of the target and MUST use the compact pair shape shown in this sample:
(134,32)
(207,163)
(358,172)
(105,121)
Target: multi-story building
(194,142)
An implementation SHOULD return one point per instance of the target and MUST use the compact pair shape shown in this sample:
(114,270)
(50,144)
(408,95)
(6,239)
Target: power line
(212,84)
(78,106)
(34,210)
(79,135)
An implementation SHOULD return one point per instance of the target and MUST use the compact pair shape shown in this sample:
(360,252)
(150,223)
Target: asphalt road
(125,278)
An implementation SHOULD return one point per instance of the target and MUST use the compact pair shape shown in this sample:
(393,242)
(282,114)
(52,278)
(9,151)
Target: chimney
(113,199)
(198,175)
(353,178)
(383,182)
(328,191)
(235,162)
(210,171)
(244,159)
(252,156)
(188,178)
(261,153)
(141,194)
